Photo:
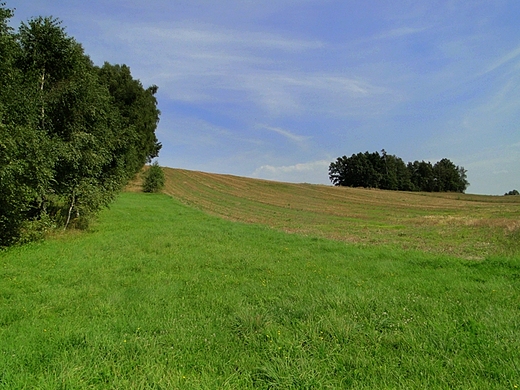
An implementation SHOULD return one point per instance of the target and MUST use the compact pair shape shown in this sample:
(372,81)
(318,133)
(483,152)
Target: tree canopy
(389,172)
(71,133)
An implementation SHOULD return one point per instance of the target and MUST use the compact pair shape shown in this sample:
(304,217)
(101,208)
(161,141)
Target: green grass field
(161,295)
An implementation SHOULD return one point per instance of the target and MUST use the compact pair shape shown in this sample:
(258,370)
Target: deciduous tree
(390,172)
(71,134)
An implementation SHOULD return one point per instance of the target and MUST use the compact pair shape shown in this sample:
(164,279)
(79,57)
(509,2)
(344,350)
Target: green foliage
(389,172)
(512,192)
(138,113)
(70,135)
(7,46)
(422,176)
(25,176)
(448,177)
(153,178)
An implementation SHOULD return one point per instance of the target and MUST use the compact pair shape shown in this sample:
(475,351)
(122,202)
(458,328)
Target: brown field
(469,226)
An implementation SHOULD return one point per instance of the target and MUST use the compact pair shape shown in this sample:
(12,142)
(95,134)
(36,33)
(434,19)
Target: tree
(139,116)
(389,172)
(513,192)
(71,134)
(341,172)
(7,46)
(75,113)
(26,155)
(153,178)
(448,177)
(422,176)
(370,170)
(358,170)
(395,175)
(463,183)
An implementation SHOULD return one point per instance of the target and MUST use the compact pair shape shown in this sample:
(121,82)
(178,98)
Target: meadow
(207,289)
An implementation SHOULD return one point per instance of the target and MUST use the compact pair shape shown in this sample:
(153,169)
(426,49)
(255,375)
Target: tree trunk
(70,209)
(43,99)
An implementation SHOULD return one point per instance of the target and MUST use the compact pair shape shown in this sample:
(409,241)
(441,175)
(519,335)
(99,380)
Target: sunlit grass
(163,296)
(469,226)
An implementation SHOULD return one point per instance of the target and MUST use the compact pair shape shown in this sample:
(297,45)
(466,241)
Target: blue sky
(278,89)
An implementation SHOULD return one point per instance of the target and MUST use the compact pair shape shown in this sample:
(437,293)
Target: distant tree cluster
(513,192)
(388,172)
(71,133)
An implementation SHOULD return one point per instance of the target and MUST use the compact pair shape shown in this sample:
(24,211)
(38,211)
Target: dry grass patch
(136,183)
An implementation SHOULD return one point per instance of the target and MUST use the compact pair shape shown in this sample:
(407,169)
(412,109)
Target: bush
(153,178)
(513,192)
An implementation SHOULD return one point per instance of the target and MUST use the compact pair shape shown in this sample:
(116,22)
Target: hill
(469,226)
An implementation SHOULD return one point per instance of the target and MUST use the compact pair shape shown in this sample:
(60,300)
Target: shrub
(153,178)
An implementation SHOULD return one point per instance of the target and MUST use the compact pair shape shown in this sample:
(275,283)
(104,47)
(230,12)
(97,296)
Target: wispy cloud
(285,133)
(510,56)
(211,36)
(400,32)
(188,131)
(203,63)
(304,93)
(314,172)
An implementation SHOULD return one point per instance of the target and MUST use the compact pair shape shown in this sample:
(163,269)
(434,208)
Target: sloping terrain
(470,226)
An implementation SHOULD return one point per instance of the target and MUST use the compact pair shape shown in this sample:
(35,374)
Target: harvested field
(465,225)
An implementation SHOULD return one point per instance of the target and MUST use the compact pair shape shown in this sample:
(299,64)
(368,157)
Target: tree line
(389,172)
(71,133)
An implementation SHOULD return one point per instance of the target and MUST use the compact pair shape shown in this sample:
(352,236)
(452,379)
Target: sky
(279,89)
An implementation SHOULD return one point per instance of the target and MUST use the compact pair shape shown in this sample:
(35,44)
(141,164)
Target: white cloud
(201,35)
(285,133)
(303,93)
(310,172)
(513,54)
(400,32)
(270,73)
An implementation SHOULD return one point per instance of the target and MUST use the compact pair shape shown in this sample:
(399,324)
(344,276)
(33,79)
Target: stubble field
(468,226)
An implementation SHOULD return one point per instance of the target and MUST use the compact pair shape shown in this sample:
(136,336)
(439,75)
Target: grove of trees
(71,133)
(389,172)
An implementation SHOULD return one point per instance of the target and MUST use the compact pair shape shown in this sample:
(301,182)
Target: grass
(469,226)
(160,295)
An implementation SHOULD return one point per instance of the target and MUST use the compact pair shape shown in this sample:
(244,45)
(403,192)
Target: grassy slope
(469,226)
(160,295)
